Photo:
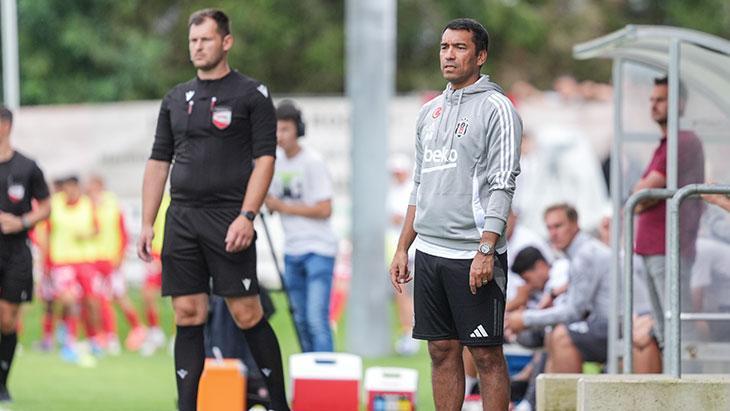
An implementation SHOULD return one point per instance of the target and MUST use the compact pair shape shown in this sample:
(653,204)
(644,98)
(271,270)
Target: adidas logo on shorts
(479,332)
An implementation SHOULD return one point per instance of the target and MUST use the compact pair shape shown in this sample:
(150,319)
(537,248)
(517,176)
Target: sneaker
(44,345)
(61,333)
(154,341)
(156,336)
(4,394)
(69,354)
(113,346)
(523,405)
(407,346)
(135,339)
(86,360)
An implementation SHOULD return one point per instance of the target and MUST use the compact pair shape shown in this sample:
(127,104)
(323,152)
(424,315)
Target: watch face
(485,248)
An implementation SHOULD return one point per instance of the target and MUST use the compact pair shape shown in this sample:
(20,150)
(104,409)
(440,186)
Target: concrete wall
(563,392)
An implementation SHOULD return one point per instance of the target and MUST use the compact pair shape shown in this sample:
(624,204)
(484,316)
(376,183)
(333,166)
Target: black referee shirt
(20,181)
(212,130)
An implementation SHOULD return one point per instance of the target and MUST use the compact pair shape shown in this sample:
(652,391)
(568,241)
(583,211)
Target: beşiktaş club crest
(462,127)
(16,192)
(222,117)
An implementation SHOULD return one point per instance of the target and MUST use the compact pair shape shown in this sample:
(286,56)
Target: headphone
(287,110)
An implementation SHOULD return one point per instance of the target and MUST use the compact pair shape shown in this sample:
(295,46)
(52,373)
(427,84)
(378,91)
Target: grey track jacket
(467,159)
(588,286)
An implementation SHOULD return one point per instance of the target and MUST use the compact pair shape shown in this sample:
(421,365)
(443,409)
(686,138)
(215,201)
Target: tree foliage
(110,50)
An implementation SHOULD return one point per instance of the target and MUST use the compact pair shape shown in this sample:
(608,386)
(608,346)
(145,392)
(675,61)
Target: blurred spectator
(567,89)
(398,195)
(72,228)
(301,192)
(579,322)
(522,90)
(155,338)
(651,225)
(520,237)
(110,245)
(710,285)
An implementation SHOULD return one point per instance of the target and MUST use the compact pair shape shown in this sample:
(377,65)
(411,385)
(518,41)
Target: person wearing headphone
(301,192)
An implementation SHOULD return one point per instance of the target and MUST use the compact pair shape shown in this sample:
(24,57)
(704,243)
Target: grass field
(129,382)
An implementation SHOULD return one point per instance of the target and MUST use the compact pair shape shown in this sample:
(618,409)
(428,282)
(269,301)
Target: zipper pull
(212,103)
(190,106)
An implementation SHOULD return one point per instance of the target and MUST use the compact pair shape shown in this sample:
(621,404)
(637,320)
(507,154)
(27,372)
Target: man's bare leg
(648,359)
(563,355)
(447,374)
(493,377)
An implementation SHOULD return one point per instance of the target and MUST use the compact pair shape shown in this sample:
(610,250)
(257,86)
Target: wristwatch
(26,223)
(250,215)
(486,249)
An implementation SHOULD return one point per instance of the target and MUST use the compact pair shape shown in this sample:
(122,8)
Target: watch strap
(250,215)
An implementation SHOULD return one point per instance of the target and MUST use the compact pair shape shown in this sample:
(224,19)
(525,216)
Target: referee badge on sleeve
(222,117)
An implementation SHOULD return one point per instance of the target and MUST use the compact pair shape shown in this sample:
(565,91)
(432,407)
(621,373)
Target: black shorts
(445,308)
(194,251)
(590,337)
(16,271)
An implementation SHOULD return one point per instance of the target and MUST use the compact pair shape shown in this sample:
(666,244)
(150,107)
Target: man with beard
(220,130)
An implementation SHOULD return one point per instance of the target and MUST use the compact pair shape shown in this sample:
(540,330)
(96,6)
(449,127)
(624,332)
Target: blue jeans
(309,282)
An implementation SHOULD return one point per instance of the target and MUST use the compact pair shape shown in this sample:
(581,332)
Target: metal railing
(628,267)
(672,307)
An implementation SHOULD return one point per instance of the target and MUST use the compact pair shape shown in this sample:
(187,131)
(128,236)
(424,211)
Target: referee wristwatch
(486,249)
(250,215)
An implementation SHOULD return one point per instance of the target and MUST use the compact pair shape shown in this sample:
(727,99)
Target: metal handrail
(672,328)
(704,316)
(631,203)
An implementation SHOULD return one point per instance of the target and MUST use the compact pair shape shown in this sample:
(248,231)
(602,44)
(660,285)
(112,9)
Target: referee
(214,128)
(20,182)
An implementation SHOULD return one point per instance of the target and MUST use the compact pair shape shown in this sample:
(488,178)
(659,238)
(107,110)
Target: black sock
(189,361)
(265,351)
(7,352)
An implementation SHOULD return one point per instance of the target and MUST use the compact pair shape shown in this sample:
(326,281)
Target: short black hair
(72,179)
(218,16)
(664,81)
(288,110)
(526,259)
(479,34)
(5,114)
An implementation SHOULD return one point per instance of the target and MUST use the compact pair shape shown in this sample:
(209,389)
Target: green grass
(43,382)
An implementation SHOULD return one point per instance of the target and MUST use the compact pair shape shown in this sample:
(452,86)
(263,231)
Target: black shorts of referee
(194,252)
(16,271)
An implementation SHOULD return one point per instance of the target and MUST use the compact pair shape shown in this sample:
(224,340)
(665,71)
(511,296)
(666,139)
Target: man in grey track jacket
(467,159)
(580,321)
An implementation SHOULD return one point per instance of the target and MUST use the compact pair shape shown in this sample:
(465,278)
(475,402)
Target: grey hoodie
(467,159)
(588,289)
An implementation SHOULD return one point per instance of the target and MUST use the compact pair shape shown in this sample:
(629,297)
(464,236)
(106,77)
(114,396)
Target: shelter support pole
(672,137)
(616,199)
